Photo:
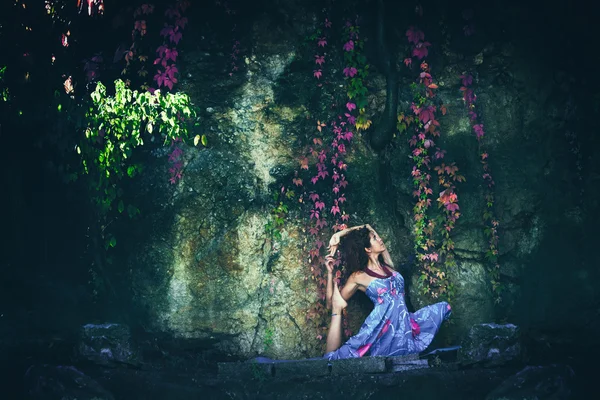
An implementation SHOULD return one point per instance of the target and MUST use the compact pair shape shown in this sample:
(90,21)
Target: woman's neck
(374,264)
(377,269)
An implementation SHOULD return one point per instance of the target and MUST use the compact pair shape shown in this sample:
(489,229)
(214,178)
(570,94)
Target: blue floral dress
(390,329)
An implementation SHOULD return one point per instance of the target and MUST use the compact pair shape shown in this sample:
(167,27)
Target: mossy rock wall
(201,263)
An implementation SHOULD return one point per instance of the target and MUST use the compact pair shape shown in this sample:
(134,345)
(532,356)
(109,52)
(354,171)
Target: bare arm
(335,239)
(347,291)
(329,264)
(349,288)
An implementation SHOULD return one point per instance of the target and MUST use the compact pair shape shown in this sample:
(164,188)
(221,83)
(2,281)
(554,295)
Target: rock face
(209,269)
(491,345)
(536,382)
(107,344)
(63,382)
(201,263)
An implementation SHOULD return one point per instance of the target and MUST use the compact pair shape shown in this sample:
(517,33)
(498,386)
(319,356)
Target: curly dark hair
(352,250)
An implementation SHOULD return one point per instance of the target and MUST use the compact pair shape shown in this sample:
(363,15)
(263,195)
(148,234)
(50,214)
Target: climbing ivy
(275,225)
(434,245)
(3,91)
(117,125)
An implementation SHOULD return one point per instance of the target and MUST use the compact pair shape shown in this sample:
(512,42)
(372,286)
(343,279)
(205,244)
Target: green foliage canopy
(116,125)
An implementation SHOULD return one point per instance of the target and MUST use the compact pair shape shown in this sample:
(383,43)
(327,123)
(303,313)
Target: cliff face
(202,266)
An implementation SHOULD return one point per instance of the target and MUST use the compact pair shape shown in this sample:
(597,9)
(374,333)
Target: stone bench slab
(316,367)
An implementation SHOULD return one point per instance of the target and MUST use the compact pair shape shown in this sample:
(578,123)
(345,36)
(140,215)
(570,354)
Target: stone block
(312,368)
(363,365)
(402,359)
(408,365)
(247,370)
(491,345)
(107,344)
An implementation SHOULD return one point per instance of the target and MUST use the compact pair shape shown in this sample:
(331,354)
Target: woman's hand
(335,239)
(334,242)
(329,261)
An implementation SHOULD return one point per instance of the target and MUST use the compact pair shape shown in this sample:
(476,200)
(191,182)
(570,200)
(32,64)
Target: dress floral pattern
(390,329)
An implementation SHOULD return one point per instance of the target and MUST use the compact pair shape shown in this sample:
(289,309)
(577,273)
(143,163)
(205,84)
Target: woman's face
(377,245)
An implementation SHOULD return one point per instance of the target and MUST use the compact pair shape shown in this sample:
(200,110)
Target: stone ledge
(246,370)
(363,365)
(316,367)
(311,368)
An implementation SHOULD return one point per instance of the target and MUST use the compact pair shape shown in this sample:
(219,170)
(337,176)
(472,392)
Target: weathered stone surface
(311,367)
(408,365)
(364,365)
(402,359)
(536,382)
(247,370)
(47,382)
(317,367)
(107,344)
(210,271)
(473,303)
(201,264)
(426,383)
(491,345)
(302,368)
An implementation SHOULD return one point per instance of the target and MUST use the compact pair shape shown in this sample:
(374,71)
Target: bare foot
(337,301)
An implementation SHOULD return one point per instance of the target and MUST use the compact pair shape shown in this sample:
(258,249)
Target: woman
(390,329)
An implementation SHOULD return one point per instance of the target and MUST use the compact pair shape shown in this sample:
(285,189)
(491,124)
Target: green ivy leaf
(131,171)
(132,211)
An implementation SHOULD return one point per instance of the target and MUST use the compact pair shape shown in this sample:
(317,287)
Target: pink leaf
(420,50)
(466,80)
(182,22)
(478,130)
(350,71)
(166,31)
(171,12)
(175,36)
(414,35)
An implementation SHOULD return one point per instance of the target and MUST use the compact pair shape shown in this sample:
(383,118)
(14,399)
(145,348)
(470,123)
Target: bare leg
(334,336)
